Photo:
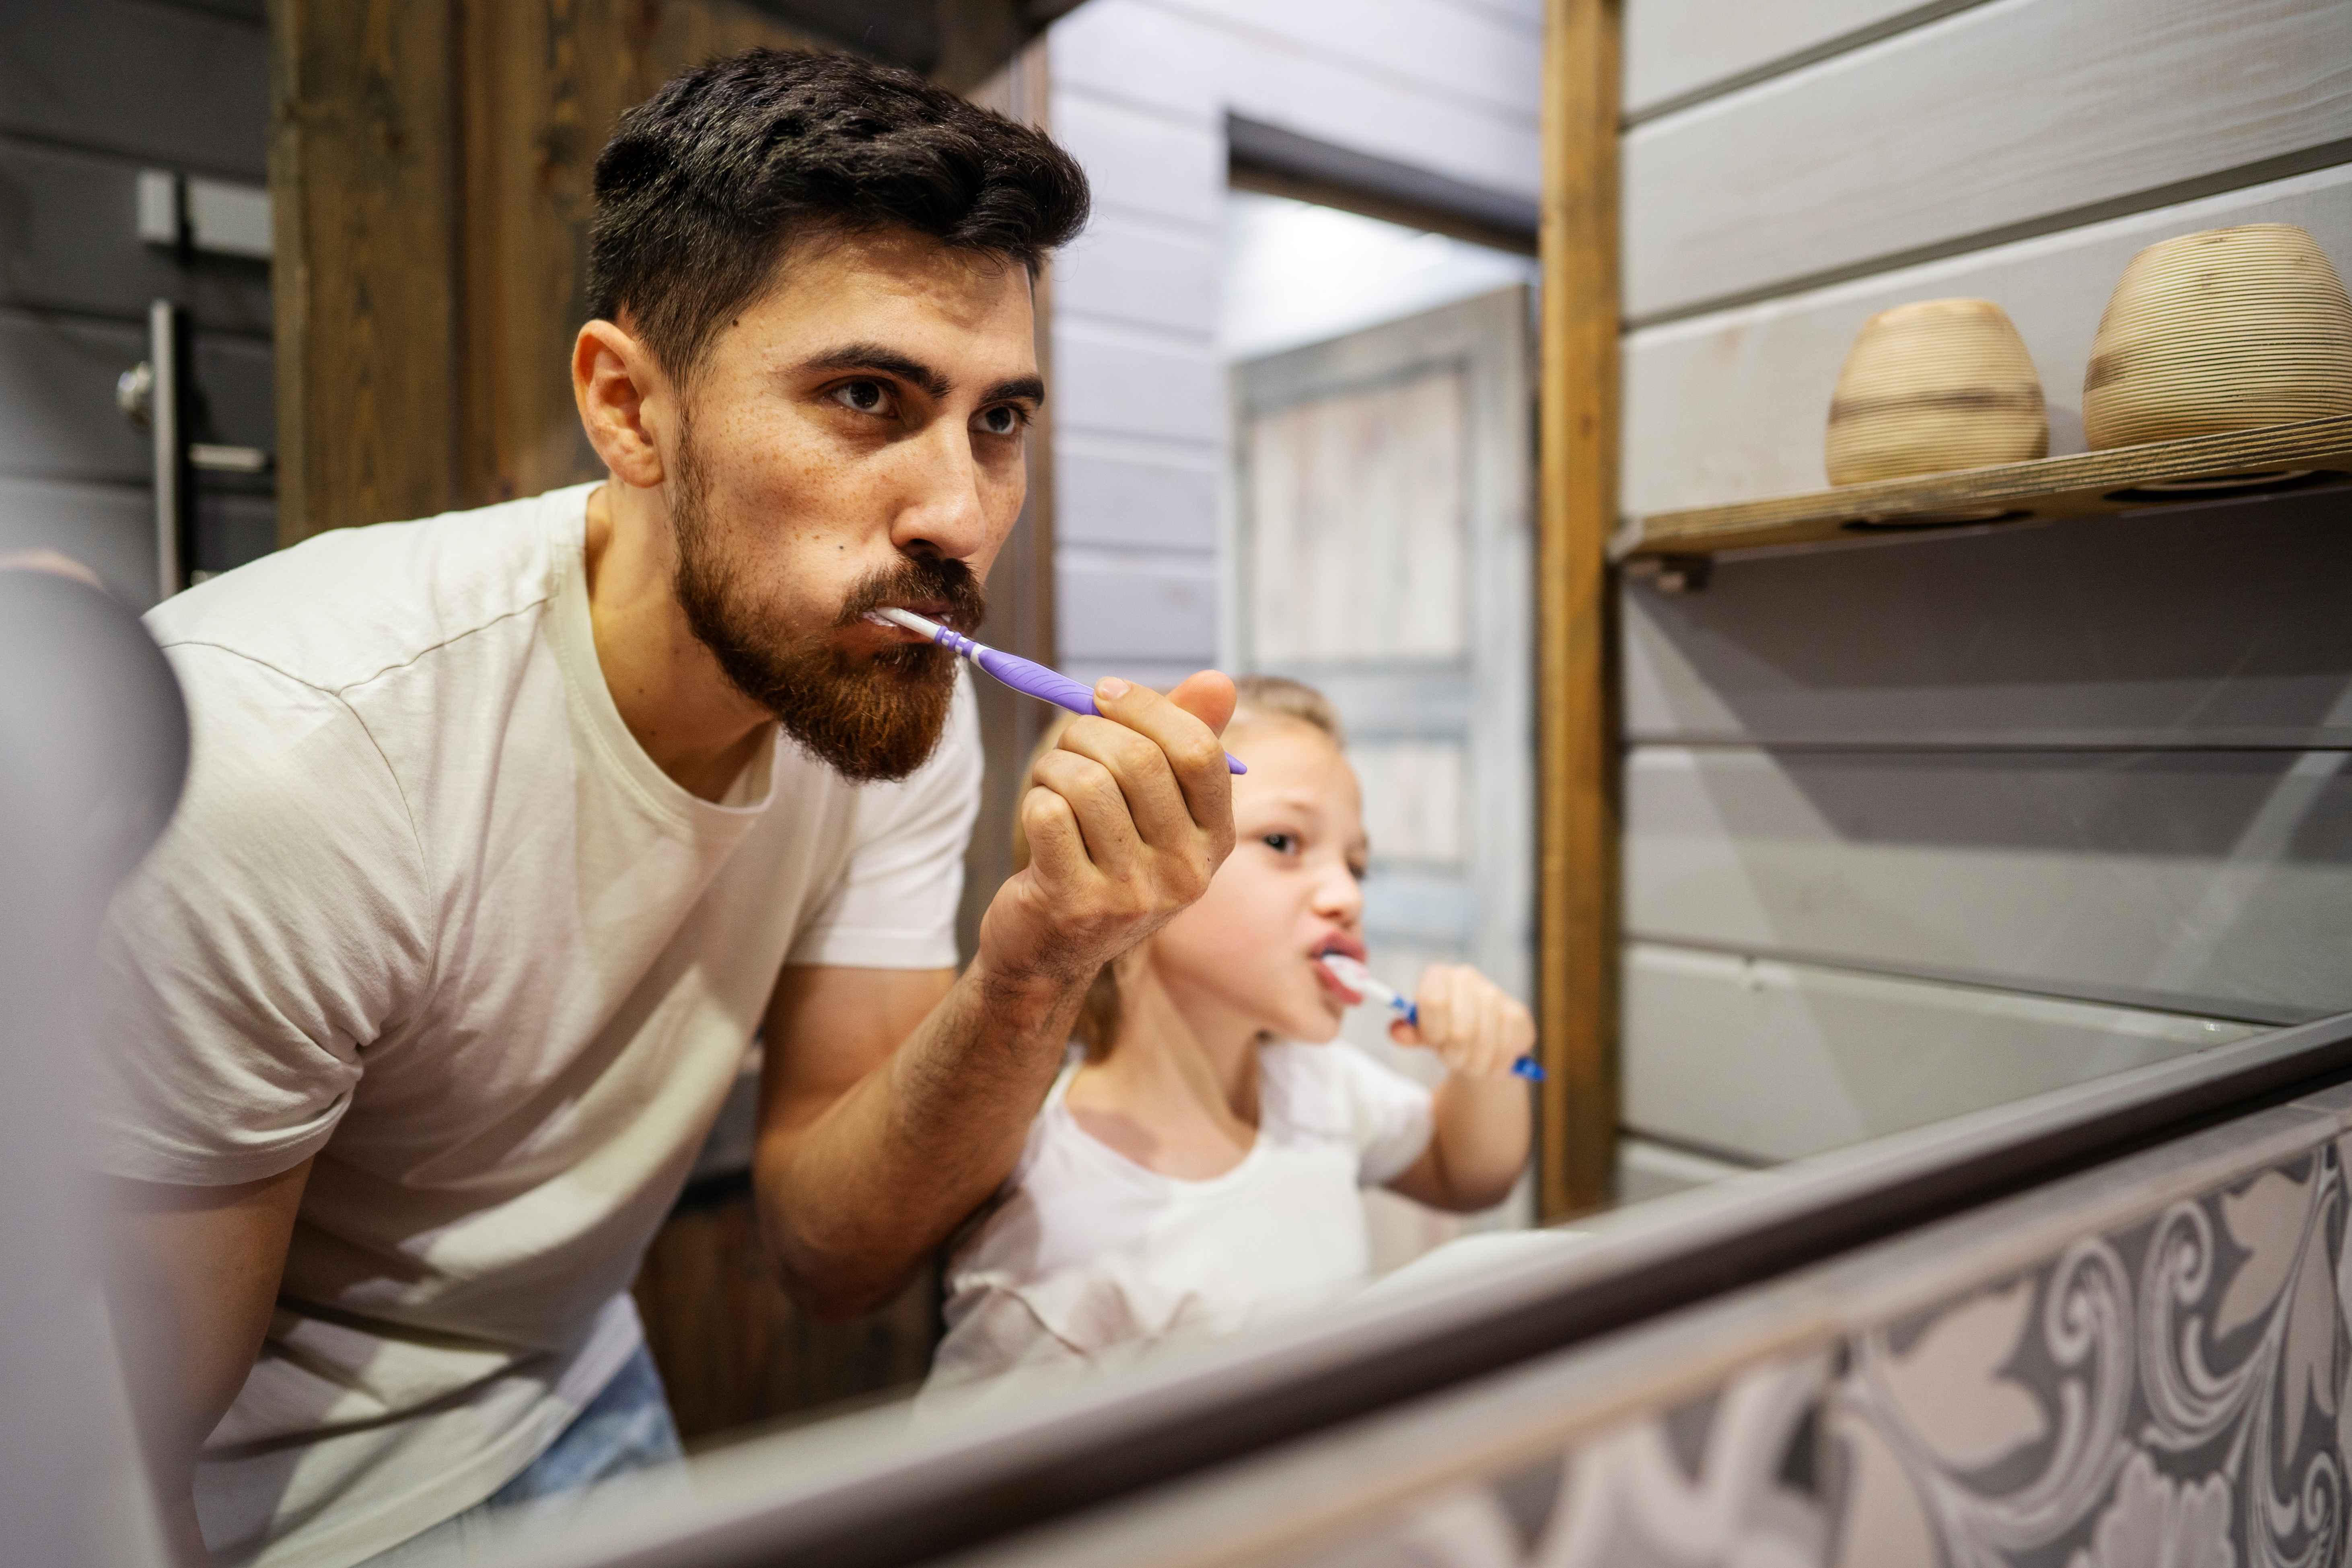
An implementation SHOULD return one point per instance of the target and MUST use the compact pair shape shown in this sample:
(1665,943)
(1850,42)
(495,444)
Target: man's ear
(622,398)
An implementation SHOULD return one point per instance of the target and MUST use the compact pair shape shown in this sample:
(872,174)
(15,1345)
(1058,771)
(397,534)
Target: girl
(1195,1167)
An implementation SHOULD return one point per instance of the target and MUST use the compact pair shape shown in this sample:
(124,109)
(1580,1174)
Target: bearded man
(507,830)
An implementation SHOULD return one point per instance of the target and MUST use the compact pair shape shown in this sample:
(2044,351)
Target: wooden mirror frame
(1579,819)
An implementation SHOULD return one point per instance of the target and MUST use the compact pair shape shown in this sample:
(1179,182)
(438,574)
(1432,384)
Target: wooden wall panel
(2006,113)
(362,169)
(1774,1060)
(545,82)
(70,246)
(2213,882)
(1675,49)
(1579,820)
(174,85)
(1444,49)
(735,1352)
(1732,405)
(2218,626)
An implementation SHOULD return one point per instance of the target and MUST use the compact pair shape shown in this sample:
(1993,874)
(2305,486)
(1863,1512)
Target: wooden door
(1383,552)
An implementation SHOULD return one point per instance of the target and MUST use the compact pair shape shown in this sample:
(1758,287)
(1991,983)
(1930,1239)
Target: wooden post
(363,176)
(1577,895)
(1020,584)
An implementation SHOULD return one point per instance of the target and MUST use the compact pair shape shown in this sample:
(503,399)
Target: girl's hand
(1476,1029)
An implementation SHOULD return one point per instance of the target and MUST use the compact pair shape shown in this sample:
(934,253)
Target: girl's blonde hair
(1262,697)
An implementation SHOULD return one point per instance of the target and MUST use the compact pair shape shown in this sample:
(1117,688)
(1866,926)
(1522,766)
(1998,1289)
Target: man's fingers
(1154,799)
(1186,739)
(1099,804)
(1209,696)
(1056,847)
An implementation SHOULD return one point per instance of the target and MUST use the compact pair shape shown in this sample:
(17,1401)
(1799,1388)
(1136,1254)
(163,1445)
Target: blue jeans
(626,1428)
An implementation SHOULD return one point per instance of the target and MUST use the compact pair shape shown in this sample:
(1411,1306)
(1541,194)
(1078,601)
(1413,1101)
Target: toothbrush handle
(1027,675)
(1409,1011)
(1050,685)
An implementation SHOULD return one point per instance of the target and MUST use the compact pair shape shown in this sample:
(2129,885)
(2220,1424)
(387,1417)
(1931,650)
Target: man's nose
(943,513)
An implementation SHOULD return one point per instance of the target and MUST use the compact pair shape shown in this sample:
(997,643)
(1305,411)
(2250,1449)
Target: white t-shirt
(428,912)
(1089,1256)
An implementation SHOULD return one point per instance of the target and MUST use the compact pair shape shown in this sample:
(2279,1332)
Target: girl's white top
(1089,1256)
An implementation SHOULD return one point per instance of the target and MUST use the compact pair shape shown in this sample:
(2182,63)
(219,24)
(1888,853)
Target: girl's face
(1292,888)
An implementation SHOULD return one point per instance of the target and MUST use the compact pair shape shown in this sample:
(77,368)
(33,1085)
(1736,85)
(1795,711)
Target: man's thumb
(1208,697)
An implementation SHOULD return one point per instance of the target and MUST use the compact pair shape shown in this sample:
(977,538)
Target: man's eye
(1281,843)
(1004,419)
(863,396)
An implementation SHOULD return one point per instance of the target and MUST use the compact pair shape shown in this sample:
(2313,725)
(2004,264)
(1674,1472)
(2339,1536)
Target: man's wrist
(1022,996)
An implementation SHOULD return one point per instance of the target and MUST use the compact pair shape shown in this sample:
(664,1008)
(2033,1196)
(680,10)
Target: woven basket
(1933,386)
(2232,329)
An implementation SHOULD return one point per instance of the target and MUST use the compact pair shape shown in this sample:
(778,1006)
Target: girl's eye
(1004,419)
(1358,869)
(863,396)
(1281,843)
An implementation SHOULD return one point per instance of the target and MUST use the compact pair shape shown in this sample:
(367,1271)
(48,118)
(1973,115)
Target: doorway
(1381,550)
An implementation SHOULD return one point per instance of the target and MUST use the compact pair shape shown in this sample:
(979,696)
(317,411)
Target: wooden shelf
(2087,484)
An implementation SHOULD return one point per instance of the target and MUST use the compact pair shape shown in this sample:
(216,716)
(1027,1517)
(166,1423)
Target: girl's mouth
(1331,982)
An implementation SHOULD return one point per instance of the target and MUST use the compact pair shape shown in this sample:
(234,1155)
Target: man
(491,861)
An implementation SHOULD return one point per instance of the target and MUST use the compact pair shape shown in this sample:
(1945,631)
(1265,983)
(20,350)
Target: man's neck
(690,719)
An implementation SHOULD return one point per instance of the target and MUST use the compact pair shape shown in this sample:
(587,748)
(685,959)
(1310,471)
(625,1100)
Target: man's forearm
(852,1202)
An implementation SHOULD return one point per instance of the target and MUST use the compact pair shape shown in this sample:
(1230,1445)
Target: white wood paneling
(1124,268)
(1124,382)
(1143,162)
(1134,494)
(1675,47)
(1358,535)
(2214,626)
(1647,1169)
(2194,881)
(1151,608)
(1424,45)
(1329,101)
(2001,114)
(1777,1060)
(1731,406)
(1138,51)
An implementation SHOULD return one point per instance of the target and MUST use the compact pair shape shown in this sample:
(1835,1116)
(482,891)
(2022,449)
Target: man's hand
(1126,819)
(878,1134)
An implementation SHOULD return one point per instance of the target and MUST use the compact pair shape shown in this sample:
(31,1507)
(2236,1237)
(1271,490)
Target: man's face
(854,439)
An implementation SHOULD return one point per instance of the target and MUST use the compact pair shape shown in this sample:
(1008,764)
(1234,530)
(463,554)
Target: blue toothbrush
(1358,979)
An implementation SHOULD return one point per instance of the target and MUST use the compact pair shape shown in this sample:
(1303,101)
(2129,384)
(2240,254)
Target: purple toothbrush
(1021,674)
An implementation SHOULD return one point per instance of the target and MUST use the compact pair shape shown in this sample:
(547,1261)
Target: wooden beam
(363,172)
(1577,892)
(1020,584)
(543,83)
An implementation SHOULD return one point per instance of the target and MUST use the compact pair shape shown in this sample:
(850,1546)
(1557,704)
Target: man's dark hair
(706,184)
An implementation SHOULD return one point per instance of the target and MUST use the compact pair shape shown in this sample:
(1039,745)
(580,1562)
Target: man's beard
(869,719)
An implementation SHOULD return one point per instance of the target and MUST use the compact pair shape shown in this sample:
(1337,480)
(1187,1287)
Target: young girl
(1195,1167)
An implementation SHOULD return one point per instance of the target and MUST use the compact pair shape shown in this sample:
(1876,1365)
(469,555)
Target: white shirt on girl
(1088,1257)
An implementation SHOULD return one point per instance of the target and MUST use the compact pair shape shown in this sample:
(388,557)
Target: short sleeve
(895,905)
(1388,1114)
(276,929)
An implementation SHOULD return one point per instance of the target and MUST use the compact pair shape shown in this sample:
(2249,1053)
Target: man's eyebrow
(878,356)
(1020,389)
